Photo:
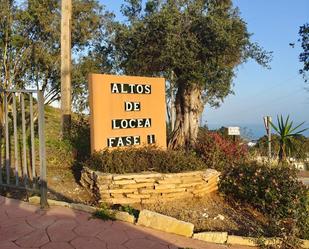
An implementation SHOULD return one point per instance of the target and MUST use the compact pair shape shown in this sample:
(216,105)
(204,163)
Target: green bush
(132,160)
(276,192)
(104,213)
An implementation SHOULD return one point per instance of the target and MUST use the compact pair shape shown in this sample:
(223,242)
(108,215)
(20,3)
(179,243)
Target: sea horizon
(250,131)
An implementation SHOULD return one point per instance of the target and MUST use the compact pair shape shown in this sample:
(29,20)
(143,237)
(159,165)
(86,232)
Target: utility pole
(66,16)
(267,121)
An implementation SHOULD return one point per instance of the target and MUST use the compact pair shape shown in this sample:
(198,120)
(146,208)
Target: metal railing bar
(7,145)
(15,140)
(19,91)
(23,123)
(42,152)
(32,139)
(27,170)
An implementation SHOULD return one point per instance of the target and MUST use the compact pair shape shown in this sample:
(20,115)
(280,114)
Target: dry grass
(205,214)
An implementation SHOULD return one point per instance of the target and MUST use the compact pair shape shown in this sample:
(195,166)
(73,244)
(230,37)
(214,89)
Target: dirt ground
(213,213)
(62,185)
(210,213)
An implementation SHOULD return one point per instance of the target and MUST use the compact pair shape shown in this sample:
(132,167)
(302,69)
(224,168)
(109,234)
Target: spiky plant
(287,132)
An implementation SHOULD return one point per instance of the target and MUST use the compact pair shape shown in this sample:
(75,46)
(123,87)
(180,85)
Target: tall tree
(30,42)
(304,55)
(198,42)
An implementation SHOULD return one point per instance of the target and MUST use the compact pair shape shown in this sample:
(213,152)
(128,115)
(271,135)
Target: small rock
(219,217)
(55,178)
(205,215)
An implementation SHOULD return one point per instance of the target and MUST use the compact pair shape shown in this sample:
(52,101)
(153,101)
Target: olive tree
(196,43)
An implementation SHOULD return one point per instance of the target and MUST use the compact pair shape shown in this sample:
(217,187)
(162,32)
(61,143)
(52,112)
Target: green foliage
(276,192)
(30,42)
(218,151)
(129,210)
(104,213)
(80,137)
(59,153)
(134,160)
(304,55)
(286,132)
(212,43)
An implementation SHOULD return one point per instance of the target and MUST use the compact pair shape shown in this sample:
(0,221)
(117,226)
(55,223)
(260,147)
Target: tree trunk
(282,152)
(189,106)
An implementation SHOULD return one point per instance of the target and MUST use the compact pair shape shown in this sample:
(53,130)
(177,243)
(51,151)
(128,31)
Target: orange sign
(126,111)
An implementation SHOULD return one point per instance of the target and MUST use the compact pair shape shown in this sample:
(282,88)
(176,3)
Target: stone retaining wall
(148,187)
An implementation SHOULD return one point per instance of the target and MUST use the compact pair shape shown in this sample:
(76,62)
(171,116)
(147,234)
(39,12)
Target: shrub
(276,192)
(217,151)
(134,160)
(59,153)
(104,213)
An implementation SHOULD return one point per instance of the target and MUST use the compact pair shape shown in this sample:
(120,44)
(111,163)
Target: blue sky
(258,91)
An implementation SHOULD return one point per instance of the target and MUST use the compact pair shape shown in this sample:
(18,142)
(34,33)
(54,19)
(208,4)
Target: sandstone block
(120,191)
(123,182)
(34,200)
(123,200)
(191,184)
(212,189)
(134,196)
(102,187)
(165,223)
(198,191)
(242,241)
(136,176)
(272,241)
(212,182)
(139,185)
(191,179)
(147,190)
(106,200)
(175,190)
(305,243)
(85,185)
(165,186)
(83,207)
(142,180)
(169,181)
(117,195)
(124,216)
(213,237)
(104,196)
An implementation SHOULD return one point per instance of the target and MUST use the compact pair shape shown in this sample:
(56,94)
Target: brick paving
(26,226)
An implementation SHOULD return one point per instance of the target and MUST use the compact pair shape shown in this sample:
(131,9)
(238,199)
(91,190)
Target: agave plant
(287,132)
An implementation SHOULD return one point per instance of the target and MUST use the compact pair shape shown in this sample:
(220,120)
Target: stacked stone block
(149,187)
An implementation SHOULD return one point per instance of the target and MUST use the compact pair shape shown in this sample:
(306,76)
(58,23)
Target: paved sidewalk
(26,226)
